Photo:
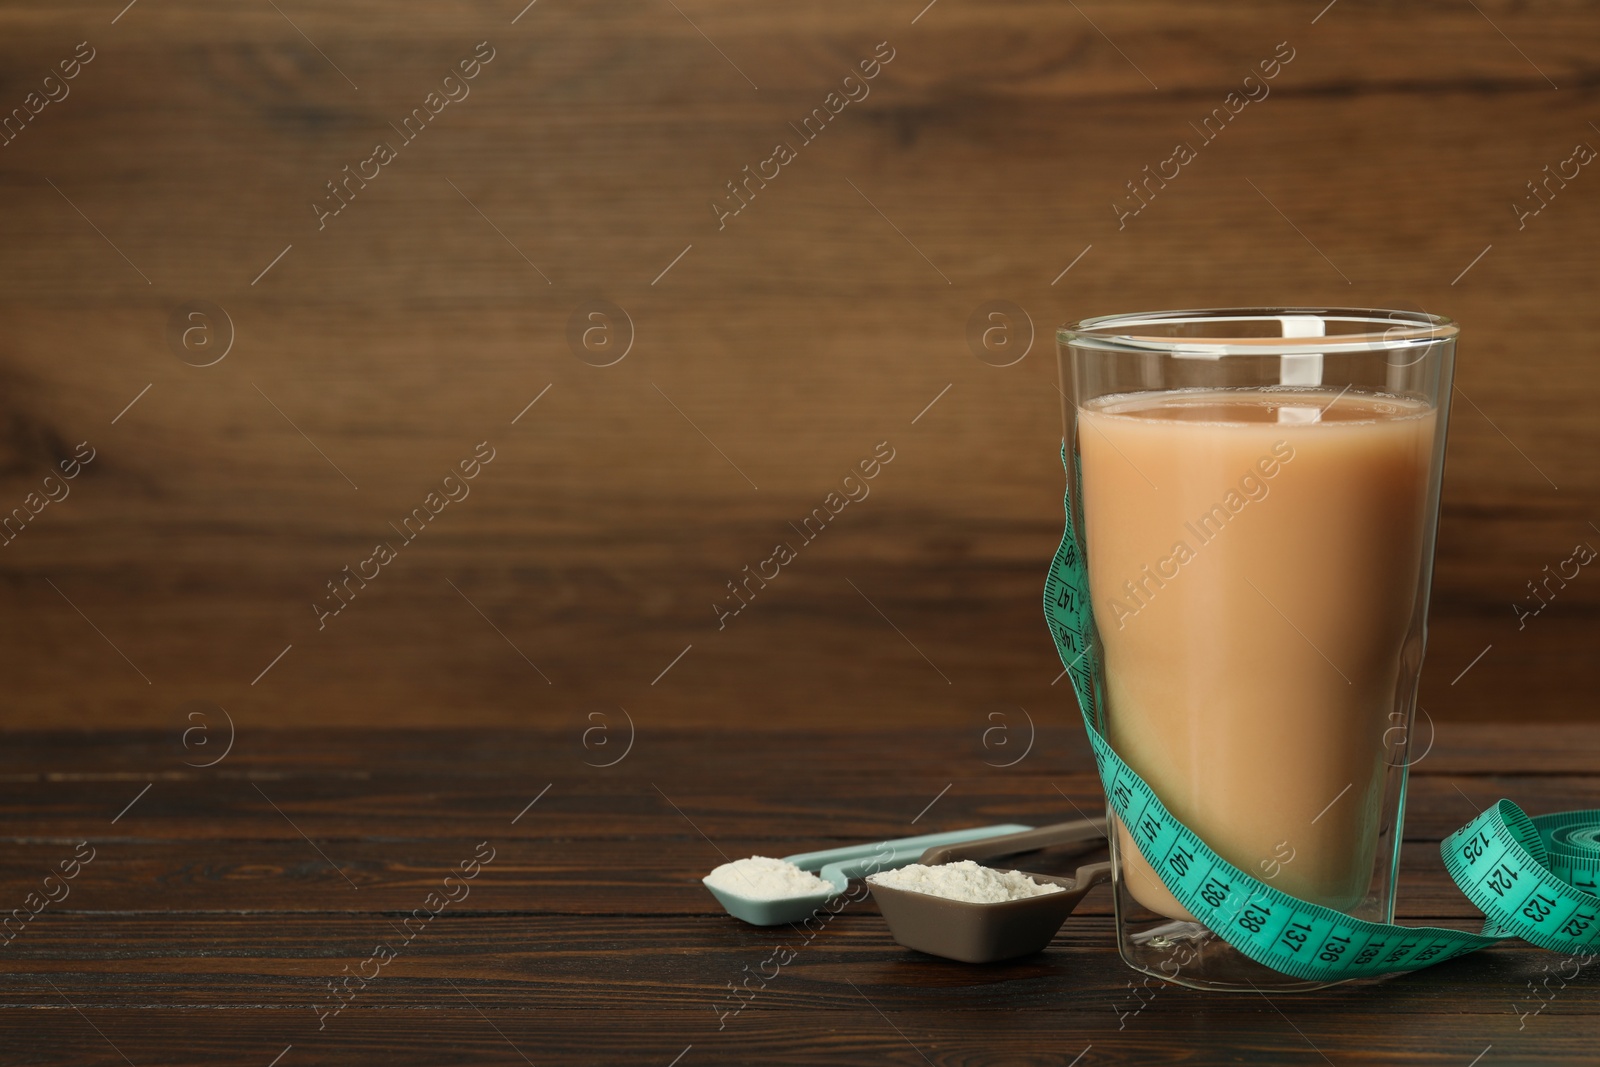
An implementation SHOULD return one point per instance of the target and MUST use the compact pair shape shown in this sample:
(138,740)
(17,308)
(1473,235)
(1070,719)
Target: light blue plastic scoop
(838,865)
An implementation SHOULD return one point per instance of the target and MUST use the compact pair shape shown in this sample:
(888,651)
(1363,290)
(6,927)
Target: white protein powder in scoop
(965,880)
(764,878)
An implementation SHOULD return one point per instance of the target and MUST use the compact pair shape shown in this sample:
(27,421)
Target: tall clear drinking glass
(1256,493)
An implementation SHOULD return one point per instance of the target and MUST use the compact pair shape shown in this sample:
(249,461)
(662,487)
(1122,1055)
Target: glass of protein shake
(1256,493)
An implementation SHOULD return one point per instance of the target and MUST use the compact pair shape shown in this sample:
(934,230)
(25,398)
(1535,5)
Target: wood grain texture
(208,923)
(820,321)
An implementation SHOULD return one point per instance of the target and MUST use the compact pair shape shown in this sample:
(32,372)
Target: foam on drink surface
(1253,560)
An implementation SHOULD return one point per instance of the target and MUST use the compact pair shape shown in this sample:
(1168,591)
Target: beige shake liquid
(1253,566)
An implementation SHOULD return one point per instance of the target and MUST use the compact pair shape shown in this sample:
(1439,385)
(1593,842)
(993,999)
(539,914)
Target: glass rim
(1304,331)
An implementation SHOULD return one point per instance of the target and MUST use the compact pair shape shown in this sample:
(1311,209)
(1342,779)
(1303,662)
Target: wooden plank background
(775,353)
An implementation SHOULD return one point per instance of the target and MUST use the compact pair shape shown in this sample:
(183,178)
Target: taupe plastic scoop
(987,933)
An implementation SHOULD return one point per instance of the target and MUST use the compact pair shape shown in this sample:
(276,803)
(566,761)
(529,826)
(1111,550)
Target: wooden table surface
(221,902)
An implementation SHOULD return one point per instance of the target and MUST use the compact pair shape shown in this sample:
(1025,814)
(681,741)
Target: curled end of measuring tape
(1533,878)
(1522,828)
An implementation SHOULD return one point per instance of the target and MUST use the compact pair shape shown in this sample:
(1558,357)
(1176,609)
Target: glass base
(1189,954)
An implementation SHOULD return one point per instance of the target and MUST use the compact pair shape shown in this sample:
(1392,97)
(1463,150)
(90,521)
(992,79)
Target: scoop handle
(1089,831)
(1092,875)
(901,851)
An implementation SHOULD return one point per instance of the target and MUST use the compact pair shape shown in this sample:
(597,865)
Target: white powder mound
(966,881)
(764,878)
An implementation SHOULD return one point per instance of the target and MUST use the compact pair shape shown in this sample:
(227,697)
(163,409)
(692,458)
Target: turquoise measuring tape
(1532,878)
